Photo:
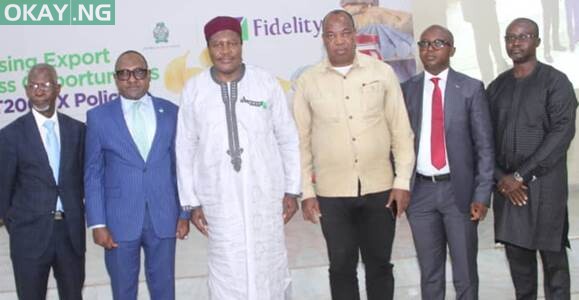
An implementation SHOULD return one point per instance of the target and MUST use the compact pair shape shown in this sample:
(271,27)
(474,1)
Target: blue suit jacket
(468,134)
(28,191)
(119,184)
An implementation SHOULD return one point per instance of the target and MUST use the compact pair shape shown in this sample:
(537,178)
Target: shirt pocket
(372,98)
(255,117)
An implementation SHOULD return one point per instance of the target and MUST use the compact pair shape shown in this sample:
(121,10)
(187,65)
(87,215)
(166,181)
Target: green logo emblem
(161,33)
(244,28)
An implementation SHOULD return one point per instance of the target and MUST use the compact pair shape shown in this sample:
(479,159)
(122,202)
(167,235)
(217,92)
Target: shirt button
(355,161)
(347,97)
(345,77)
(350,117)
(353,139)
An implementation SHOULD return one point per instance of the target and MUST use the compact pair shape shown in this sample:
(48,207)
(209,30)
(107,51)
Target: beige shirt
(349,125)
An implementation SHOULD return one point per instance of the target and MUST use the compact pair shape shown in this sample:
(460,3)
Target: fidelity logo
(275,26)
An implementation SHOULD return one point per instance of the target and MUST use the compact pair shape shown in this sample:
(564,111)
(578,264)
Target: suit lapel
(160,115)
(34,141)
(451,97)
(66,144)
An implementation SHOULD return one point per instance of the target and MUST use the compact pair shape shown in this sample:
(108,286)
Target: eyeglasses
(520,37)
(45,86)
(138,73)
(436,44)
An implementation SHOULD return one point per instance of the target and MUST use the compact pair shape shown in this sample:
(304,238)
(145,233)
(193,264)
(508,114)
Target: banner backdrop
(283,37)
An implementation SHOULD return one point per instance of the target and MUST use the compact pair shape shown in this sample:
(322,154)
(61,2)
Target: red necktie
(437,150)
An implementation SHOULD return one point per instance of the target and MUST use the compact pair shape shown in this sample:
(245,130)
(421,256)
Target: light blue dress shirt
(147,110)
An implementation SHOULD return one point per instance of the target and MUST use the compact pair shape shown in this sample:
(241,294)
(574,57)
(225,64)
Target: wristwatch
(518,177)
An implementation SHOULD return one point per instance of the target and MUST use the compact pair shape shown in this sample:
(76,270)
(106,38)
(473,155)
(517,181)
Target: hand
(513,190)
(518,197)
(478,211)
(102,237)
(182,229)
(311,210)
(290,206)
(402,198)
(198,219)
(508,184)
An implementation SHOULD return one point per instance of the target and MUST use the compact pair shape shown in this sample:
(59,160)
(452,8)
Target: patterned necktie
(53,151)
(437,150)
(139,131)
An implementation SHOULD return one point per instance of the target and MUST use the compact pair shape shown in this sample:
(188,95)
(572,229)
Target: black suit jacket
(28,191)
(468,134)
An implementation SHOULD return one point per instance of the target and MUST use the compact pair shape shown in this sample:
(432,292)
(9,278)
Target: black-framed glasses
(436,44)
(519,37)
(138,73)
(44,86)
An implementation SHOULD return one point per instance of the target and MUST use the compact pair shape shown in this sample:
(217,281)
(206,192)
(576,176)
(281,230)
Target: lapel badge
(161,110)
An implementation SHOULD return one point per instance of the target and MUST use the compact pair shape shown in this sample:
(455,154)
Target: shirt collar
(127,103)
(40,118)
(442,75)
(355,64)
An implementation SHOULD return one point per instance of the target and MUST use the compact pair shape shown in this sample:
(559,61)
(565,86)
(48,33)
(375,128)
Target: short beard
(41,109)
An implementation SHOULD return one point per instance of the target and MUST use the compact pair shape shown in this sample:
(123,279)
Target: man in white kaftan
(238,169)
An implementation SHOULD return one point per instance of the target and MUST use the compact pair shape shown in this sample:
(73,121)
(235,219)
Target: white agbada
(247,252)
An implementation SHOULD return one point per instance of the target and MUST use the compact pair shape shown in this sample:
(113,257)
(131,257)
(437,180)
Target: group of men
(359,151)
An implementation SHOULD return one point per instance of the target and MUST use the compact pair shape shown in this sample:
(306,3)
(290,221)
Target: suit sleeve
(95,205)
(8,161)
(482,137)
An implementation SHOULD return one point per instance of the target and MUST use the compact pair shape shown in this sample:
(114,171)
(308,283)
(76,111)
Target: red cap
(221,23)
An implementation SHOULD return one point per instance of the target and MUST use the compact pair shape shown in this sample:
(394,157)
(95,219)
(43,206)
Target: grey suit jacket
(468,134)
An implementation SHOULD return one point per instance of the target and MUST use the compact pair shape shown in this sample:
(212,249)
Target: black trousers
(31,274)
(523,265)
(359,224)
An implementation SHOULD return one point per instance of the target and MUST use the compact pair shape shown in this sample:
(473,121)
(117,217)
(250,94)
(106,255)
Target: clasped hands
(515,191)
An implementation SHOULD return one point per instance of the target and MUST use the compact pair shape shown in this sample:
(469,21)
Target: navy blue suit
(135,198)
(28,196)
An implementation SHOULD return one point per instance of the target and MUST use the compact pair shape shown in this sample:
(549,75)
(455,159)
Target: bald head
(441,30)
(338,13)
(43,67)
(131,52)
(525,21)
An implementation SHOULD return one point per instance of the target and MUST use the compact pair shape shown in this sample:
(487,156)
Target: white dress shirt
(423,160)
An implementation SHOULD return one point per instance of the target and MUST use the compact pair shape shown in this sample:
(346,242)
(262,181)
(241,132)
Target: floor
(308,264)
